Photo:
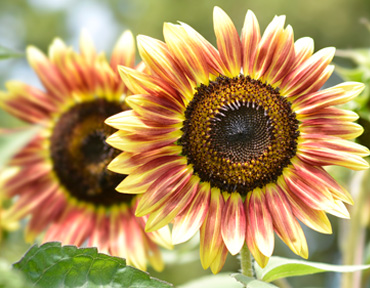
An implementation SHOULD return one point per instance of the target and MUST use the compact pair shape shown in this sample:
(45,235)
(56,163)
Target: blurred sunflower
(60,177)
(232,140)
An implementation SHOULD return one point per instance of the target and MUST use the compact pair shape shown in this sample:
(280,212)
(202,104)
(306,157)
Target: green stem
(246,261)
(353,245)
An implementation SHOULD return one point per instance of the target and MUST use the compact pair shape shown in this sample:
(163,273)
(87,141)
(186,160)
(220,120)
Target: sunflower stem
(353,248)
(246,261)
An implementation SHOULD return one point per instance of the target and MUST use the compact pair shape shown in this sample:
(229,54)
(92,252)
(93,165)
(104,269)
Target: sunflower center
(80,154)
(239,133)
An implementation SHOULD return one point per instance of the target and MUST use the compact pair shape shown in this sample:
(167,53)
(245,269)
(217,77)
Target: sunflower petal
(285,224)
(220,259)
(163,193)
(320,151)
(282,59)
(228,42)
(156,55)
(307,73)
(250,39)
(142,83)
(233,223)
(267,46)
(303,49)
(210,232)
(187,53)
(147,173)
(315,219)
(339,94)
(124,51)
(189,221)
(259,219)
(211,54)
(49,75)
(323,181)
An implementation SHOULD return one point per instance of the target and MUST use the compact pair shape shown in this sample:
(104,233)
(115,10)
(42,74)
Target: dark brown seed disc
(80,154)
(239,133)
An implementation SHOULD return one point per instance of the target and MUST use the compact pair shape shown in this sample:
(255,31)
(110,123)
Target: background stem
(353,244)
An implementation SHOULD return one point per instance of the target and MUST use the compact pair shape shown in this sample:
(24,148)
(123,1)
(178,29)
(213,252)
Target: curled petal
(161,236)
(339,210)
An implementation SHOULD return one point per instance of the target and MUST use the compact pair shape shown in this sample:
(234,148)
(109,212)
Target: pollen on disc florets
(80,154)
(239,133)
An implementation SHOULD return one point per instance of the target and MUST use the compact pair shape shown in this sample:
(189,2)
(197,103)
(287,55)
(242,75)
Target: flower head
(233,140)
(60,177)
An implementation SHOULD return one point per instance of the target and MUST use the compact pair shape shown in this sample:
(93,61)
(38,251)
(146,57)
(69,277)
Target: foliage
(53,265)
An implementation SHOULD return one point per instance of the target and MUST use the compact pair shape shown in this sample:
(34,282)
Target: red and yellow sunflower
(233,140)
(60,178)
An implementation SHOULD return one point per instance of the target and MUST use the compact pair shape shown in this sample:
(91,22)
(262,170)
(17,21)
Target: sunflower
(233,140)
(60,177)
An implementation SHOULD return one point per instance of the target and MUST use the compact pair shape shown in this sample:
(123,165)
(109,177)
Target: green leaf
(11,278)
(53,265)
(279,267)
(6,53)
(252,282)
(220,280)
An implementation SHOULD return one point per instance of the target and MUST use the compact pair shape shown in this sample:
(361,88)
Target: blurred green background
(336,23)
